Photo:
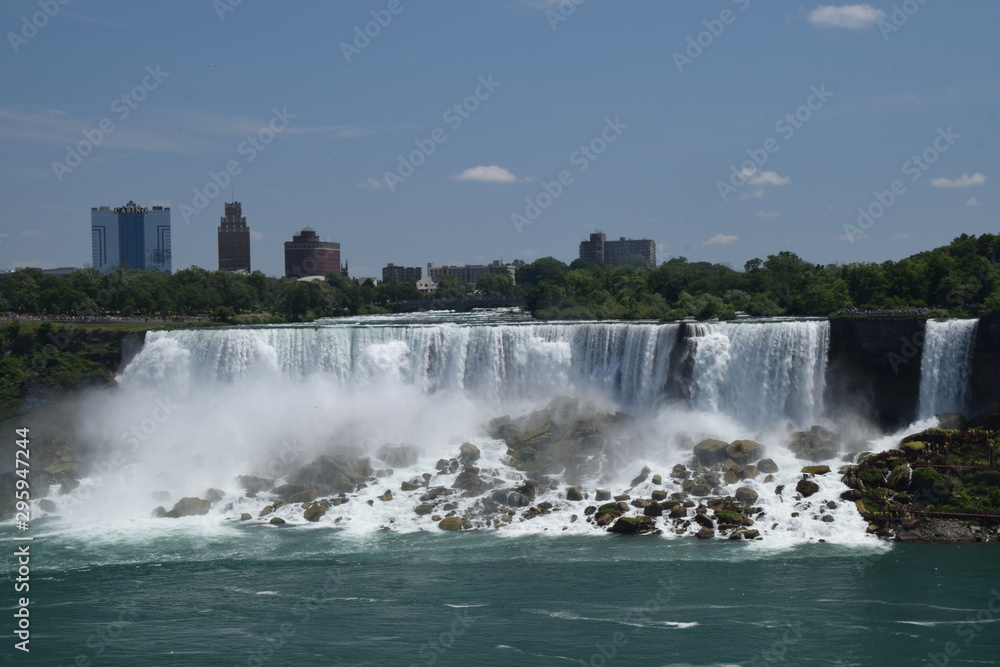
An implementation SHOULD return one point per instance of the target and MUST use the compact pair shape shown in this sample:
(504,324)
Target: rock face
(254,484)
(398,456)
(899,478)
(189,507)
(335,473)
(573,494)
(314,512)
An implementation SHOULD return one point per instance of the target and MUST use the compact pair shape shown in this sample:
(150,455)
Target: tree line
(960,278)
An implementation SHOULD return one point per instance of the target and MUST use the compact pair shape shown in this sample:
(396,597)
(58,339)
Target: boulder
(641,477)
(254,484)
(746,496)
(245,516)
(704,520)
(750,471)
(160,512)
(710,452)
(510,498)
(470,482)
(386,496)
(277,521)
(657,480)
(574,494)
(315,512)
(767,466)
(679,471)
(705,533)
(751,534)
(915,447)
(806,488)
(659,494)
(47,505)
(816,444)
(815,470)
(730,477)
(468,452)
(634,526)
(214,495)
(452,524)
(423,510)
(653,509)
(701,490)
(602,494)
(189,507)
(744,451)
(410,486)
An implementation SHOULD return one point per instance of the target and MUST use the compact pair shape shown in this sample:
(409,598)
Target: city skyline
(876,141)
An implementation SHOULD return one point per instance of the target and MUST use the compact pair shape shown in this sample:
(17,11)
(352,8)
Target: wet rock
(189,507)
(653,509)
(750,471)
(246,516)
(573,494)
(410,486)
(623,497)
(452,524)
(264,512)
(423,510)
(701,490)
(815,470)
(900,477)
(659,494)
(657,480)
(710,452)
(510,498)
(641,477)
(705,533)
(679,471)
(314,513)
(744,451)
(816,444)
(398,456)
(806,487)
(704,520)
(751,534)
(468,453)
(470,482)
(386,496)
(851,495)
(590,510)
(214,495)
(769,479)
(47,505)
(746,496)
(730,477)
(634,526)
(164,496)
(160,512)
(447,466)
(277,521)
(767,466)
(779,489)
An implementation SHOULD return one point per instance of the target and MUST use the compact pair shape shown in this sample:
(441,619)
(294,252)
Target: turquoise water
(245,595)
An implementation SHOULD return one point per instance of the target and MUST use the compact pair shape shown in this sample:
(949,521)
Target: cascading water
(946,366)
(197,408)
(761,373)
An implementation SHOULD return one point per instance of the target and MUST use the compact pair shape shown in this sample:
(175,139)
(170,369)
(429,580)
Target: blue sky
(648,111)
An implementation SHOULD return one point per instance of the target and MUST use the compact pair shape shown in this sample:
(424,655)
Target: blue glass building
(131,234)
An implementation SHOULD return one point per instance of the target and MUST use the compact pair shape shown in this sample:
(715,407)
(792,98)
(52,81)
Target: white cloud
(756,194)
(721,239)
(857,17)
(972,202)
(768,214)
(490,174)
(764,177)
(964,181)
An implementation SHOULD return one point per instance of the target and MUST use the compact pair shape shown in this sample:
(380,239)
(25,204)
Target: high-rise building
(470,273)
(401,274)
(133,235)
(598,250)
(234,239)
(306,255)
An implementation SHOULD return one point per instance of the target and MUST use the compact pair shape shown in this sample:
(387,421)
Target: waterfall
(755,372)
(761,373)
(946,366)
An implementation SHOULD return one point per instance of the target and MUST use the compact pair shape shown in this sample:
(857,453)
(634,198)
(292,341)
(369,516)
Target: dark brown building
(401,274)
(599,250)
(234,239)
(306,255)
